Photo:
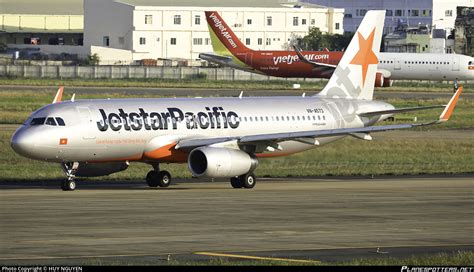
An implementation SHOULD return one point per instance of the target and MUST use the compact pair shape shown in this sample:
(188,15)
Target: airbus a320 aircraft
(230,51)
(217,137)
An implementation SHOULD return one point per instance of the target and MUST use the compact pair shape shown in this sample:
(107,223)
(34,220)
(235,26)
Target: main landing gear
(247,181)
(70,169)
(156,178)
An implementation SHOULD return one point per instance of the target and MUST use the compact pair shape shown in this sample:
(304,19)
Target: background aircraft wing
(314,63)
(215,57)
(307,136)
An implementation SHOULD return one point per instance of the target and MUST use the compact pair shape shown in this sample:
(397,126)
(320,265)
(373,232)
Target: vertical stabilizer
(354,76)
(223,38)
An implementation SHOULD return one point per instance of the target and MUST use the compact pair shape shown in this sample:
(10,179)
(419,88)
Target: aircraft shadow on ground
(55,184)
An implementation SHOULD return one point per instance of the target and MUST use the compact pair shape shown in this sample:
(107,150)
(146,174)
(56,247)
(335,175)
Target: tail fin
(223,39)
(354,76)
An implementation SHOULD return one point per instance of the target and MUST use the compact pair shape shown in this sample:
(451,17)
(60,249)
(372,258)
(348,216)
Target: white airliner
(217,137)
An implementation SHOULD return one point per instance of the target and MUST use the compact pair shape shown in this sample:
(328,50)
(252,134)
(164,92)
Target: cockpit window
(471,62)
(37,121)
(60,121)
(50,121)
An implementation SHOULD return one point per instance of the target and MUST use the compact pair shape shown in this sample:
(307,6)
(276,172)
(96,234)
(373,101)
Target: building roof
(42,7)
(219,3)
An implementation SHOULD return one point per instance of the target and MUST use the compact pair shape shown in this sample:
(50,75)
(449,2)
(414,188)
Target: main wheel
(164,179)
(152,178)
(236,182)
(248,181)
(68,185)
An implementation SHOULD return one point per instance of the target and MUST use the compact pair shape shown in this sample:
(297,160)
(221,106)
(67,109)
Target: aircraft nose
(22,142)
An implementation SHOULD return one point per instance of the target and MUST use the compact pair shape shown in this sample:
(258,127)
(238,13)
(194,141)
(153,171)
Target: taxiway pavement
(39,223)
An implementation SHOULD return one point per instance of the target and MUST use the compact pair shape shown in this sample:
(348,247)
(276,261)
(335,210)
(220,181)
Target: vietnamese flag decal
(63,141)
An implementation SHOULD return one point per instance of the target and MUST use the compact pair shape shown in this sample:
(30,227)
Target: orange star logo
(365,55)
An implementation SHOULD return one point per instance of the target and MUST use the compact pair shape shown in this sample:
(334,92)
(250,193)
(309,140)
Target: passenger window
(50,121)
(60,121)
(37,121)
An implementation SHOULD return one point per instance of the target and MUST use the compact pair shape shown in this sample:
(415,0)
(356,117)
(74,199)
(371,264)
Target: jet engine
(387,82)
(379,80)
(220,162)
(99,169)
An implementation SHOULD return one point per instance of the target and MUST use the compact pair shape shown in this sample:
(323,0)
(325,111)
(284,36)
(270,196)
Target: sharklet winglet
(59,95)
(448,110)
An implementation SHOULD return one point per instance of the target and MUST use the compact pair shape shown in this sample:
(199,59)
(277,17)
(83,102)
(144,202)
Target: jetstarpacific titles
(212,118)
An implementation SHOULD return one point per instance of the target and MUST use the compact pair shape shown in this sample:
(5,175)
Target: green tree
(92,60)
(316,40)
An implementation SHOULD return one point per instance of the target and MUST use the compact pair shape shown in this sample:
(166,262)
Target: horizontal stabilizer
(401,110)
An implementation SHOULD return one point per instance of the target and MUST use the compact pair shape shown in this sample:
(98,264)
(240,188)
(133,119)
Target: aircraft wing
(317,65)
(302,135)
(225,61)
(219,58)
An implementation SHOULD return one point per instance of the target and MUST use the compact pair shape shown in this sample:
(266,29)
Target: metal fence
(145,72)
(111,72)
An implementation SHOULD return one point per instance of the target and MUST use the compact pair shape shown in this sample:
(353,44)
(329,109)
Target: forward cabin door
(455,61)
(88,133)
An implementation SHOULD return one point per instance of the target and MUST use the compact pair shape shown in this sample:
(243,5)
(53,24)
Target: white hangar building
(123,31)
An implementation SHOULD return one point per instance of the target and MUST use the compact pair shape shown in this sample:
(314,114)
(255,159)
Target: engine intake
(220,162)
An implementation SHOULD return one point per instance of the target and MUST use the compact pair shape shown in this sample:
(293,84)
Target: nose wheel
(70,170)
(68,185)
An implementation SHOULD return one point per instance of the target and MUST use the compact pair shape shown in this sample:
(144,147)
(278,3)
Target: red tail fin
(223,32)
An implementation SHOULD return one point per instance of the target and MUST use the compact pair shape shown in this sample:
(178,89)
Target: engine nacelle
(387,82)
(218,162)
(379,79)
(99,169)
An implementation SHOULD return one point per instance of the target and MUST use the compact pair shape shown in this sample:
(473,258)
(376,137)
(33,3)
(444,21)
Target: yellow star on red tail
(365,55)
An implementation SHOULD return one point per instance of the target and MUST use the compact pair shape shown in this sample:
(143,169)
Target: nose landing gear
(70,171)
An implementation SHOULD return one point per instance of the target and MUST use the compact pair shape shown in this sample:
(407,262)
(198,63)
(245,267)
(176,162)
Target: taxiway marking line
(254,257)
